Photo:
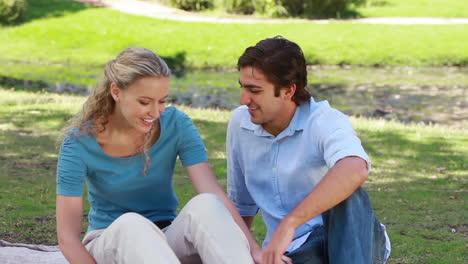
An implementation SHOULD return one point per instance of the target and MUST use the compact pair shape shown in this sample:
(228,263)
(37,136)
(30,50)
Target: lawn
(70,41)
(418,183)
(414,8)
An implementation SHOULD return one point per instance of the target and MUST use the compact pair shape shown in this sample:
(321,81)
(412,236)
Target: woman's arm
(205,181)
(69,211)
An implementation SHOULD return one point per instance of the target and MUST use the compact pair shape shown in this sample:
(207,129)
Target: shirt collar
(297,123)
(258,130)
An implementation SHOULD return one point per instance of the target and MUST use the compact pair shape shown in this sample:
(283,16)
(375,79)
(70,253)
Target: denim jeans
(351,235)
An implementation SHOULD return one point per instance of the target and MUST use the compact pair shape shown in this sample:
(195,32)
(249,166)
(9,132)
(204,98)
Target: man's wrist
(291,221)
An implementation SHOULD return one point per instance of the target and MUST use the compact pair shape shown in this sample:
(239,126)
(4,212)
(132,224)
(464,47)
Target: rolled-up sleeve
(71,169)
(191,148)
(338,139)
(236,187)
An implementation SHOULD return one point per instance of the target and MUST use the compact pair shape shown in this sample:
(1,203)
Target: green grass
(414,8)
(424,209)
(72,43)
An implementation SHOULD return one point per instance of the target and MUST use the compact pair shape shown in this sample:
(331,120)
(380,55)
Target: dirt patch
(45,165)
(37,230)
(438,238)
(461,228)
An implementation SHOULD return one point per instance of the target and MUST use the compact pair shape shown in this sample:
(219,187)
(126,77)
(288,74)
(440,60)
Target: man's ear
(115,92)
(290,91)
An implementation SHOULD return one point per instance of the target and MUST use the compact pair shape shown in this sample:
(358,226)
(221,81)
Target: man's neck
(282,122)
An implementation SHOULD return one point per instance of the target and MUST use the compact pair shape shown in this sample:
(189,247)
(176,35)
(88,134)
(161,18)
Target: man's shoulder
(323,117)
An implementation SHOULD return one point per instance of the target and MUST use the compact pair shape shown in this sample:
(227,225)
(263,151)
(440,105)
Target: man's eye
(144,103)
(162,102)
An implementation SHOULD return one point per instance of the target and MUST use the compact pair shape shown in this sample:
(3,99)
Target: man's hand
(279,242)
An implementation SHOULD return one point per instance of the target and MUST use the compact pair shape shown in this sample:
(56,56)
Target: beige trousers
(203,232)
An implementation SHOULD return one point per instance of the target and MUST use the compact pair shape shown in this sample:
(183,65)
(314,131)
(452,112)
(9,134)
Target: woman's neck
(120,140)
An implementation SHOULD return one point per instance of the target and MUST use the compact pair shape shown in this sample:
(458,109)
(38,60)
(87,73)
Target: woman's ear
(115,92)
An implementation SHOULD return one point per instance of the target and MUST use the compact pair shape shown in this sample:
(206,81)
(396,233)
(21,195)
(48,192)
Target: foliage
(236,6)
(319,8)
(192,5)
(270,8)
(274,8)
(12,10)
(355,8)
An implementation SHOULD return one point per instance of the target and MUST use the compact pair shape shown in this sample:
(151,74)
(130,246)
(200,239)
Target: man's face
(258,94)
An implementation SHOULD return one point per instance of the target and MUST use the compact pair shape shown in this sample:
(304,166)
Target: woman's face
(142,102)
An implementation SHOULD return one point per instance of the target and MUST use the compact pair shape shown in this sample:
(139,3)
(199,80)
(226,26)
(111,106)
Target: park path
(156,10)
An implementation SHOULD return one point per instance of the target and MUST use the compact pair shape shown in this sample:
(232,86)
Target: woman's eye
(144,103)
(162,102)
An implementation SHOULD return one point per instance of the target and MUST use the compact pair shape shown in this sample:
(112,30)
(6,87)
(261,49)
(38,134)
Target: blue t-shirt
(118,185)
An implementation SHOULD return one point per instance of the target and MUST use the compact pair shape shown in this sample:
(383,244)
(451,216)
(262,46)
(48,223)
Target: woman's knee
(204,202)
(132,223)
(130,219)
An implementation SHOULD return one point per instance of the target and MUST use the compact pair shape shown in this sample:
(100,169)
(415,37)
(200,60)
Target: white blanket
(17,253)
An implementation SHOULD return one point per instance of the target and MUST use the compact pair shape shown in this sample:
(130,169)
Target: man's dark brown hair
(282,62)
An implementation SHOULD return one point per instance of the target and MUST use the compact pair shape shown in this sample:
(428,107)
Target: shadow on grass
(413,156)
(38,9)
(176,63)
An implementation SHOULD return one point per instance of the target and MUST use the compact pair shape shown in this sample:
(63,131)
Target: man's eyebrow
(249,86)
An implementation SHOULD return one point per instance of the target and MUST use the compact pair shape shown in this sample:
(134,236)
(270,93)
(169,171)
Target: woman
(124,144)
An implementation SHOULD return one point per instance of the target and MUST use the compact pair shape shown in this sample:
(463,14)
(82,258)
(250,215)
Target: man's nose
(244,97)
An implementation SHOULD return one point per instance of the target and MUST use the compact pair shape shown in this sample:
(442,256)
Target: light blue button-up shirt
(275,174)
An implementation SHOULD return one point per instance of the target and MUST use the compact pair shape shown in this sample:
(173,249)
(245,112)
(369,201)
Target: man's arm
(338,184)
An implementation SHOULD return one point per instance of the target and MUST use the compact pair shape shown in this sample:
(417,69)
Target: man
(301,163)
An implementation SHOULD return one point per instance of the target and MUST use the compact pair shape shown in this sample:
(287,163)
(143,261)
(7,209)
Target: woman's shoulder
(176,122)
(78,135)
(174,113)
(172,116)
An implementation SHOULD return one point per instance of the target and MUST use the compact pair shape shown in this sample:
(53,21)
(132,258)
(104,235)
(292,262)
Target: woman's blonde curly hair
(129,66)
